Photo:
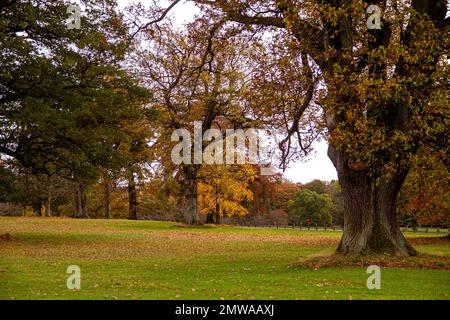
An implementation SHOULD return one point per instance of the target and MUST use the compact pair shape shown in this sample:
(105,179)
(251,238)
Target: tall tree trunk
(48,208)
(132,197)
(218,220)
(76,202)
(80,201)
(106,197)
(414,223)
(370,218)
(84,202)
(191,214)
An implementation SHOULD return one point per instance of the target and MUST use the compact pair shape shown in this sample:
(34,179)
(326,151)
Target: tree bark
(132,197)
(106,198)
(48,208)
(370,217)
(218,220)
(191,213)
(190,210)
(80,201)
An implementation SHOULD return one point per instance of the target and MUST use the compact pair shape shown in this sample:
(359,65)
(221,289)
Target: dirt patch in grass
(336,260)
(6,237)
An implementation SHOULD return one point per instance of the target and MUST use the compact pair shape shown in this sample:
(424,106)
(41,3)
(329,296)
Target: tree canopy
(310,208)
(63,92)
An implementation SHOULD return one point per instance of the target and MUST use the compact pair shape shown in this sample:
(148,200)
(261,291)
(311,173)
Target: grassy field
(122,259)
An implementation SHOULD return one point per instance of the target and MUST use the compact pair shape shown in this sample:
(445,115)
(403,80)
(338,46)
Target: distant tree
(284,192)
(7,187)
(43,193)
(224,190)
(425,196)
(159,199)
(278,217)
(317,186)
(137,153)
(337,208)
(114,196)
(264,189)
(309,205)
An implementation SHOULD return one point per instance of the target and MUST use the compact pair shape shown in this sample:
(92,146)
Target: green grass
(122,259)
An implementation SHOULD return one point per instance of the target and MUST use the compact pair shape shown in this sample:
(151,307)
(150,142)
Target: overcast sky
(317,167)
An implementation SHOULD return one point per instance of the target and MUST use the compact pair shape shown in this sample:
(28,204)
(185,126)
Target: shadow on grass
(59,239)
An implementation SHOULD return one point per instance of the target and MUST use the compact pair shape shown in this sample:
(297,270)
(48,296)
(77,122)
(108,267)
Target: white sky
(318,166)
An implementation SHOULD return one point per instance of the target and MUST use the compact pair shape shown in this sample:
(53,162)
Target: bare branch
(159,19)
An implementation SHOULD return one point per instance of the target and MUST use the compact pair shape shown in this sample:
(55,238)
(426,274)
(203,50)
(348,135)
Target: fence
(338,228)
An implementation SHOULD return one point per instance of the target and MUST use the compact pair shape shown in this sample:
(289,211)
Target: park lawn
(122,259)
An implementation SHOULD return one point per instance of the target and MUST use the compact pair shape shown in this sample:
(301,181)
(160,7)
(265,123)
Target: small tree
(224,190)
(309,205)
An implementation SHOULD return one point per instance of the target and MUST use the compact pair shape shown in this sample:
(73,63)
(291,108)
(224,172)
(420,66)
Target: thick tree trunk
(132,198)
(190,210)
(80,201)
(370,218)
(191,213)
